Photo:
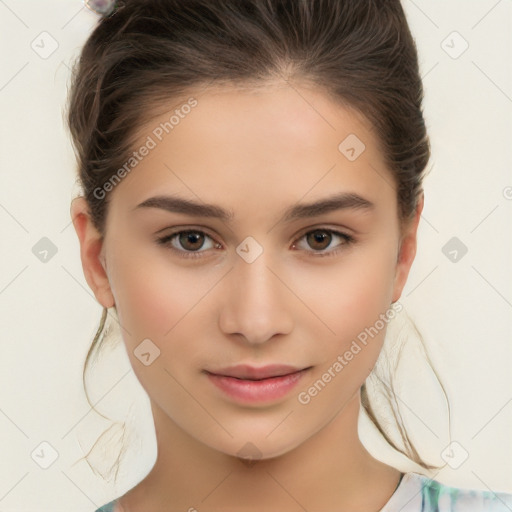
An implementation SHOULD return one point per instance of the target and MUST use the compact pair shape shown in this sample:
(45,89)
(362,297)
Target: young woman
(252,188)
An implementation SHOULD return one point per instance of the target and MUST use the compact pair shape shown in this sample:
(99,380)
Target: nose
(255,302)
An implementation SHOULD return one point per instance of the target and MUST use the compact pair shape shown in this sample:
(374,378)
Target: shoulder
(418,493)
(109,507)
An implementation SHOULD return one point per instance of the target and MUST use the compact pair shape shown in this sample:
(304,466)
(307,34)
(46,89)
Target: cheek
(152,295)
(350,301)
(352,295)
(354,307)
(156,300)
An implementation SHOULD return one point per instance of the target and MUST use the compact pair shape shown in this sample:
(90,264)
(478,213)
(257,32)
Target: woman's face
(250,328)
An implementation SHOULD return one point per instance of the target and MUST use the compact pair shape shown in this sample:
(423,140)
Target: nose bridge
(255,304)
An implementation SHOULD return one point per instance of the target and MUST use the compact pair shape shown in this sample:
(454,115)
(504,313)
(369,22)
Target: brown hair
(361,53)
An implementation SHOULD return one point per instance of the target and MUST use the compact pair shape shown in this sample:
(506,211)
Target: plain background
(461,302)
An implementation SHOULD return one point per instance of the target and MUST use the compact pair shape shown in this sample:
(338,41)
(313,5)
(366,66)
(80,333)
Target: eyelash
(347,241)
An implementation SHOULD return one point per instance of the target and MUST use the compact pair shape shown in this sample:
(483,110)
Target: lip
(250,384)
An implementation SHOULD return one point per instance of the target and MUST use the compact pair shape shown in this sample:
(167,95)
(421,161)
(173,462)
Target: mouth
(249,384)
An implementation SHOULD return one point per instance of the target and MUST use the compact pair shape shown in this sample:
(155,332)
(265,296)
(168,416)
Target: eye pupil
(319,236)
(193,238)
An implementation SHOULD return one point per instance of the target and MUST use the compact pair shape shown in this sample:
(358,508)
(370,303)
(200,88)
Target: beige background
(49,316)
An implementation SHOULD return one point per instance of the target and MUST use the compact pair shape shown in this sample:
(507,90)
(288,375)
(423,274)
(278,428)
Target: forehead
(284,140)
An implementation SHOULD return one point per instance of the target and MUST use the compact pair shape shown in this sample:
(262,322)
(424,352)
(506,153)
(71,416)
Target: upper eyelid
(202,229)
(336,231)
(322,227)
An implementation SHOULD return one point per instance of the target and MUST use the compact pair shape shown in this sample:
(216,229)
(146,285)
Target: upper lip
(244,371)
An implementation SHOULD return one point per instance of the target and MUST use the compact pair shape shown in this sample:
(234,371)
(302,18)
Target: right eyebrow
(181,205)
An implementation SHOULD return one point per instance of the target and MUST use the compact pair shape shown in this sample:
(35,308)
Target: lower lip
(257,391)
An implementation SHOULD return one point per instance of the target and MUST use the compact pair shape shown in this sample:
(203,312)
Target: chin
(257,447)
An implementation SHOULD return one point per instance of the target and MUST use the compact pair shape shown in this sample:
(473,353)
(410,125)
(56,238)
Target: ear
(91,252)
(407,250)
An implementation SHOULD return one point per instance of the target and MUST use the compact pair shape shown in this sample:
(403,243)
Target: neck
(332,470)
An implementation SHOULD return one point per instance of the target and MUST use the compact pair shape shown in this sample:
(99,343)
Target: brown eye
(191,240)
(324,242)
(319,239)
(190,243)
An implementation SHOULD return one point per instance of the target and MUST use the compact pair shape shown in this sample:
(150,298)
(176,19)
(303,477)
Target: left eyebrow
(342,201)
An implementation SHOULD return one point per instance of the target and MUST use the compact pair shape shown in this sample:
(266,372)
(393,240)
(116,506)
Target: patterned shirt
(418,493)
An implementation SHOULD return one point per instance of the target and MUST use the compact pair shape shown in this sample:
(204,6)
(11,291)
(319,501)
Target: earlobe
(91,252)
(407,251)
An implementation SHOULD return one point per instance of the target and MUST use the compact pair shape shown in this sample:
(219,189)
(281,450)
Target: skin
(255,152)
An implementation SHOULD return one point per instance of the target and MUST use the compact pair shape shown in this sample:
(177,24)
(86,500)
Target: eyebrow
(336,202)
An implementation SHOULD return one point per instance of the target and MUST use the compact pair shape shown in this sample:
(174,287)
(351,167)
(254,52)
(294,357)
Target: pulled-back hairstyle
(147,52)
